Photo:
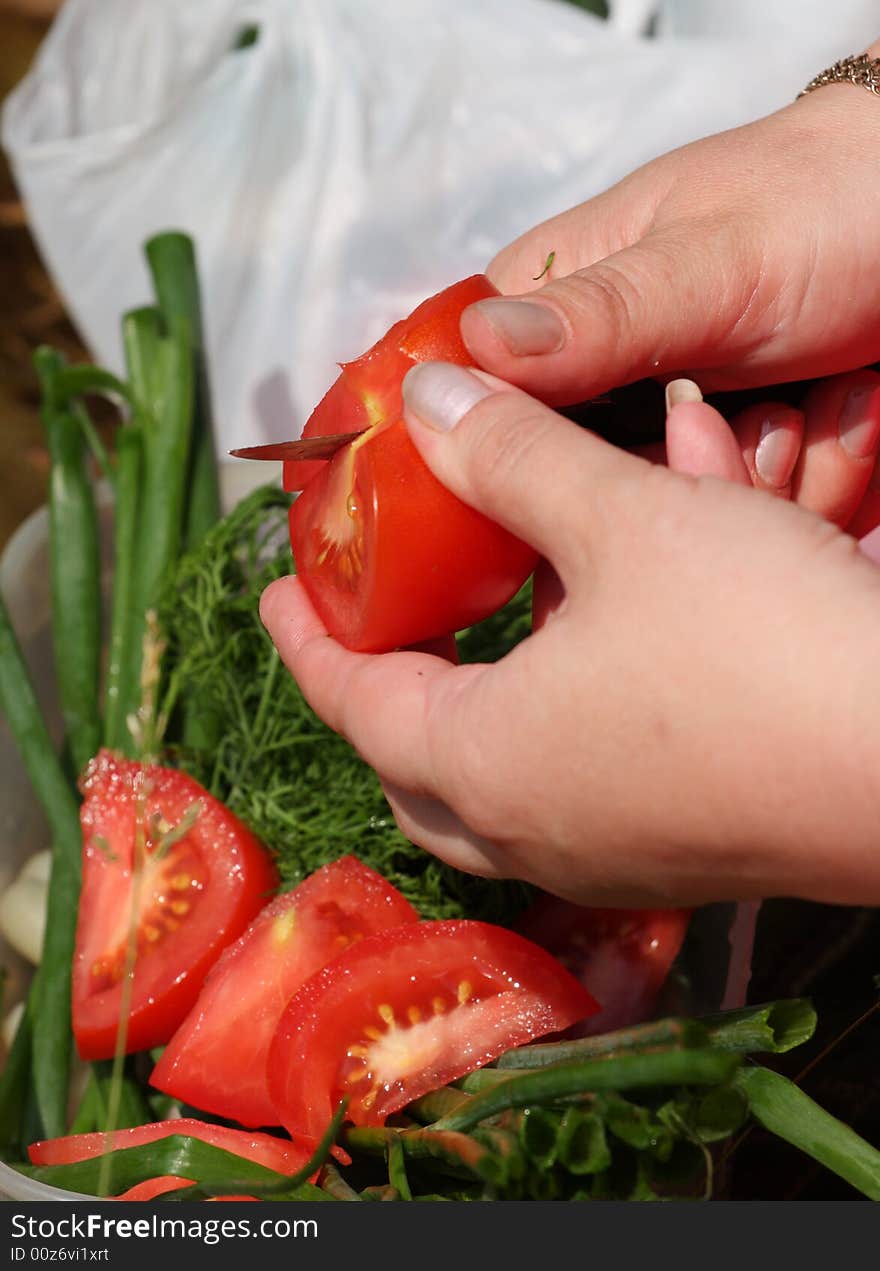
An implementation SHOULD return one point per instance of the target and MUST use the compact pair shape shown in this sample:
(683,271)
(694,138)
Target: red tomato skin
(368,391)
(232,874)
(282,1155)
(478,989)
(150,1188)
(624,955)
(425,563)
(214,1063)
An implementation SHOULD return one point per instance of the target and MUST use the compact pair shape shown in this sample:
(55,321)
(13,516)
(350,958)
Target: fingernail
(678,391)
(440,394)
(525,328)
(269,601)
(859,422)
(779,445)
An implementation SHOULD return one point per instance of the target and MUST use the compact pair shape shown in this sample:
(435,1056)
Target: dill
(297,785)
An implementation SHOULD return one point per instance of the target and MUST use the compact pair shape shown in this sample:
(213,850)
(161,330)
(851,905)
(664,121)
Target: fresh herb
(547,265)
(297,785)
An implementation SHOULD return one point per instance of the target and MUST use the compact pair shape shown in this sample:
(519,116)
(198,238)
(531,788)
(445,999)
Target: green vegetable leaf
(784,1109)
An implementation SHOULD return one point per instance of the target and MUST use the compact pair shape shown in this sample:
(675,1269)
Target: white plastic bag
(356,157)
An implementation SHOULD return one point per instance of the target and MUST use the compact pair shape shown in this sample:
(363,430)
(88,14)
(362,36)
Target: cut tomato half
(624,955)
(408,1010)
(389,556)
(201,878)
(368,390)
(216,1061)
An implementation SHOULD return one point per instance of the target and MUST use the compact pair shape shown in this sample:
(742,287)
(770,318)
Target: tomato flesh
(216,1061)
(624,955)
(408,1010)
(203,877)
(389,557)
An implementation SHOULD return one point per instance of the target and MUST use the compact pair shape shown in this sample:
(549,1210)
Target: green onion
(565,1081)
(121,691)
(775,1027)
(51,1042)
(784,1109)
(74,567)
(663,1034)
(172,260)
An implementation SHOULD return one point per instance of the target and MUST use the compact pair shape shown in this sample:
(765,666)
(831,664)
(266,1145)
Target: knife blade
(304,448)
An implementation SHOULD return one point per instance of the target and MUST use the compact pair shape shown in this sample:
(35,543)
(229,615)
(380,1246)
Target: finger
(580,235)
(380,704)
(699,440)
(431,824)
(867,515)
(770,436)
(842,434)
(525,467)
(548,594)
(666,302)
(440,647)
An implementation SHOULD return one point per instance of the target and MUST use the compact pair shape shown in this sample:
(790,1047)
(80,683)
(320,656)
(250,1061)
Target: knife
(305,448)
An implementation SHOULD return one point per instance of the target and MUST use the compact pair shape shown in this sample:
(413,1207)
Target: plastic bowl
(24,582)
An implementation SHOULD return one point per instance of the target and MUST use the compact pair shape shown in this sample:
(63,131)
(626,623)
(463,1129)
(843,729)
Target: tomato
(204,877)
(408,1010)
(387,554)
(368,390)
(218,1065)
(624,955)
(150,1188)
(281,1155)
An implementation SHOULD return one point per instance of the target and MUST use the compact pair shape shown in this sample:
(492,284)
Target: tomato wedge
(624,955)
(408,1010)
(388,555)
(216,1061)
(281,1155)
(204,877)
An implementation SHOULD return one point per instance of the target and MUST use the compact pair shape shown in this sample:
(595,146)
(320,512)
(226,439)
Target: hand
(821,454)
(742,259)
(696,720)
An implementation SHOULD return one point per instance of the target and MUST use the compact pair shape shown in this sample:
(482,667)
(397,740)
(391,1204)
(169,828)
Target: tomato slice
(150,1188)
(369,389)
(214,1063)
(408,1010)
(282,1155)
(204,877)
(624,955)
(389,557)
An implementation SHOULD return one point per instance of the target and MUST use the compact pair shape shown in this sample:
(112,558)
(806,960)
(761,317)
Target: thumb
(536,474)
(662,305)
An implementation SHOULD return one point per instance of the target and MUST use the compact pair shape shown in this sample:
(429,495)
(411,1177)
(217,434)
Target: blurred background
(30,309)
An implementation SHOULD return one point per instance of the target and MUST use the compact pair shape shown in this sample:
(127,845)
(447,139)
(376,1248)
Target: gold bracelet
(860,69)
